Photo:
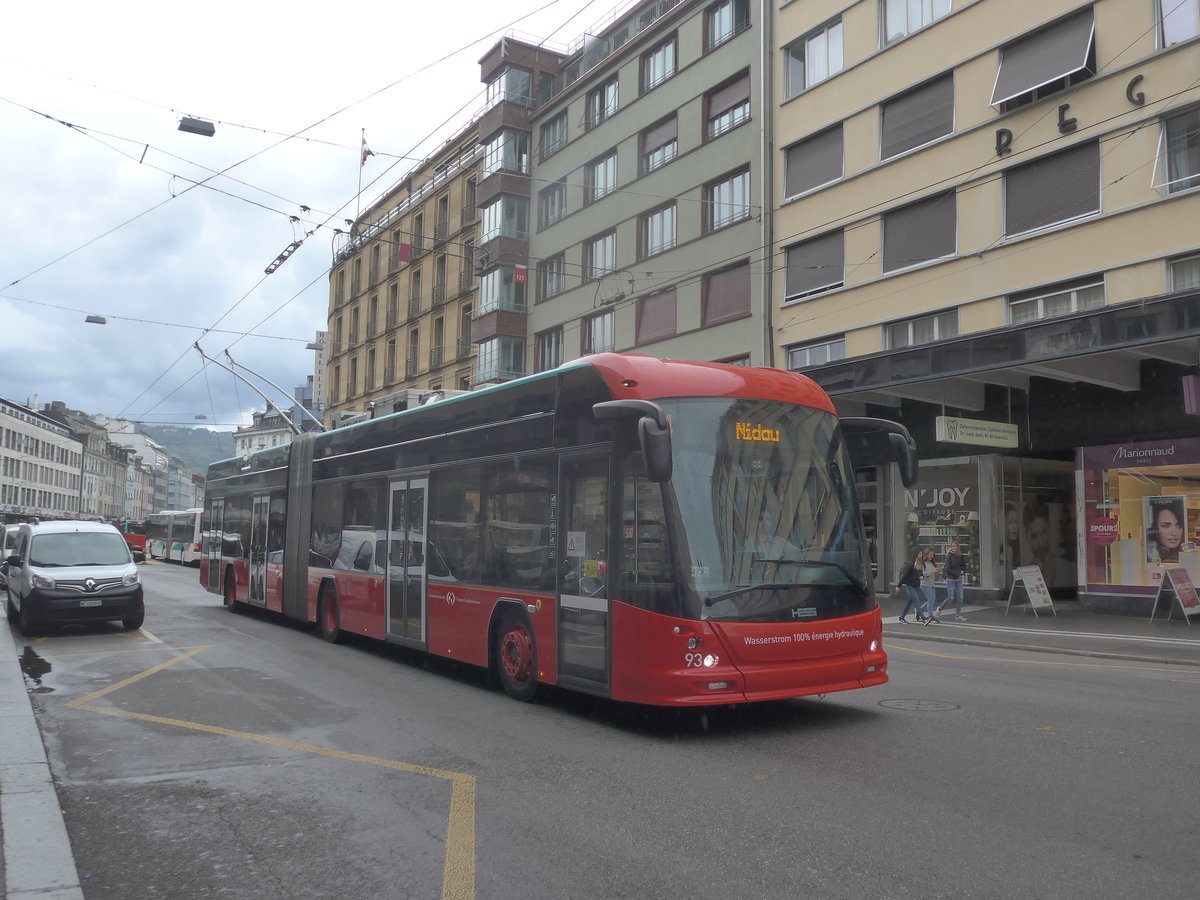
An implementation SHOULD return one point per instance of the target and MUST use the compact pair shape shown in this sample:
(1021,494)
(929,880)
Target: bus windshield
(768,518)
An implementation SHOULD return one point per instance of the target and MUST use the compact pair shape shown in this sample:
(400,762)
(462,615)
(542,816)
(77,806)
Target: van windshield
(79,548)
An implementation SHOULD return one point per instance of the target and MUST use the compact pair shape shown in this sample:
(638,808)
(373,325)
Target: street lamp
(197,126)
(96,320)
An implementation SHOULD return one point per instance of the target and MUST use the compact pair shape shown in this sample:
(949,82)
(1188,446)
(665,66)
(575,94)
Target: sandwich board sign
(1177,584)
(1030,579)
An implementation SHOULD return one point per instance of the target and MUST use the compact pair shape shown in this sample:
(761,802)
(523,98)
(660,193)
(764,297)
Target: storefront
(1003,511)
(1141,513)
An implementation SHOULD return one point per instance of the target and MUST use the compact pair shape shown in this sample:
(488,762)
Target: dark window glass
(1052,189)
(920,231)
(917,117)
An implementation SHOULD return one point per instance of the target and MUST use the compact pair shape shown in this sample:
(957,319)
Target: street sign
(1030,578)
(1177,582)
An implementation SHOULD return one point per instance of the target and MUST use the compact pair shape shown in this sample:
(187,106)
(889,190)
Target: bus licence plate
(91,602)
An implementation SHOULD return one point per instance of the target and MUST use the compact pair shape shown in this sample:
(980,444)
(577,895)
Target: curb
(1034,648)
(37,850)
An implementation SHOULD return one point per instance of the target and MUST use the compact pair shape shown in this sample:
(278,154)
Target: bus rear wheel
(231,593)
(328,620)
(516,658)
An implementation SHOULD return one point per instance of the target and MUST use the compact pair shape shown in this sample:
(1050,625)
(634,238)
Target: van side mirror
(654,436)
(877,442)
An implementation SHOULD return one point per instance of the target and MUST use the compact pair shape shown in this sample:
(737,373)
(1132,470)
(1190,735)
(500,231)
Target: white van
(65,572)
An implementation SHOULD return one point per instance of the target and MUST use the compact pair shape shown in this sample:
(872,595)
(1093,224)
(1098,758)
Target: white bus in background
(174,535)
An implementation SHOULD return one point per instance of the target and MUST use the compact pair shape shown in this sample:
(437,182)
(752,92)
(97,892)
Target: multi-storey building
(986,223)
(41,466)
(402,288)
(623,191)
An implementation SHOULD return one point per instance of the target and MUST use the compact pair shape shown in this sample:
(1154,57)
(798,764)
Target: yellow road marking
(458,871)
(893,646)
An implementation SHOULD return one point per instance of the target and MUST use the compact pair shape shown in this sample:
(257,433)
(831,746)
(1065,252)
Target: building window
(813,58)
(658,231)
(599,333)
(500,358)
(903,17)
(725,295)
(512,84)
(656,317)
(600,177)
(601,103)
(815,266)
(1053,189)
(500,289)
(1180,20)
(724,20)
(1046,61)
(728,200)
(917,117)
(727,107)
(814,161)
(548,347)
(1056,300)
(659,143)
(602,255)
(507,217)
(920,232)
(805,356)
(1179,153)
(658,65)
(552,203)
(552,275)
(923,330)
(1185,273)
(508,151)
(554,135)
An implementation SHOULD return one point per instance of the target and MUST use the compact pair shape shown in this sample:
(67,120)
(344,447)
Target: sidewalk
(37,859)
(1066,630)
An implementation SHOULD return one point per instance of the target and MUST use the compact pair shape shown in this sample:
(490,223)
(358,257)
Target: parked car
(69,572)
(8,538)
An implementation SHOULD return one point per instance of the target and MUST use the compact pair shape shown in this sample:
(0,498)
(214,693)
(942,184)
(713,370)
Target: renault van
(69,572)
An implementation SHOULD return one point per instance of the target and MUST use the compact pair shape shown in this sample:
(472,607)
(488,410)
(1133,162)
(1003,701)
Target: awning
(1054,52)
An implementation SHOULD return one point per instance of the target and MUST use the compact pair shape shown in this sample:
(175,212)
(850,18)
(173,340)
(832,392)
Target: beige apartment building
(986,226)
(402,288)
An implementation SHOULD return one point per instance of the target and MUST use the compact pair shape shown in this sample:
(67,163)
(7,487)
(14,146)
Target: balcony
(414,307)
(373,274)
(389,375)
(436,357)
(369,382)
(353,337)
(372,328)
(439,295)
(466,280)
(463,348)
(410,365)
(418,245)
(392,319)
(469,213)
(441,231)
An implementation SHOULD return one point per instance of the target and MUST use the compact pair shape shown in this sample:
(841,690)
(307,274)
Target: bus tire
(328,620)
(231,592)
(515,655)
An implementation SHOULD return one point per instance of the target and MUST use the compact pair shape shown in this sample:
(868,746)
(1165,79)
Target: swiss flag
(404,254)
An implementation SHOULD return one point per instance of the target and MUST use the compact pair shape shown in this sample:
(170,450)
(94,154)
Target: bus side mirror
(876,442)
(654,437)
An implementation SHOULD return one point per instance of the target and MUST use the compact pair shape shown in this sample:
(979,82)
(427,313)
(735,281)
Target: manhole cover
(919,705)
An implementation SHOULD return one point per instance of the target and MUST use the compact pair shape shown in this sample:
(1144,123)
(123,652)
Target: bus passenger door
(213,543)
(258,551)
(583,622)
(406,569)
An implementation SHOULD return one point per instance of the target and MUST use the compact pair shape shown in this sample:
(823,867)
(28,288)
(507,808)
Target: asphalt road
(229,755)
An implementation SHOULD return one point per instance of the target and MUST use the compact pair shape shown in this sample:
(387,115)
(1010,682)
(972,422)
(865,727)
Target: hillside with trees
(197,447)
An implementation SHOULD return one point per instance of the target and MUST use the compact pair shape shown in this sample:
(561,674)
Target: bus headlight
(874,645)
(694,642)
(710,660)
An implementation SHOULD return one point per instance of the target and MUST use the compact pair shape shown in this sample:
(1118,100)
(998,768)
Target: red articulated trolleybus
(657,532)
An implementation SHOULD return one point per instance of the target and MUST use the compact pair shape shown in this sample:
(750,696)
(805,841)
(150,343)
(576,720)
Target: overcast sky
(99,209)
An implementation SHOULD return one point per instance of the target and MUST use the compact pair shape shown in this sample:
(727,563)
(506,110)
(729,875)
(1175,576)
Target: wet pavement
(37,857)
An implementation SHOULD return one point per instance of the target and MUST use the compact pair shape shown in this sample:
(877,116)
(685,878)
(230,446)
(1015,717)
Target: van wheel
(134,622)
(516,658)
(10,611)
(328,620)
(25,621)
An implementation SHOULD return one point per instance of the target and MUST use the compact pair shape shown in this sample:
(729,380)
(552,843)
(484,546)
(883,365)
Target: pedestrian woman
(929,572)
(909,584)
(953,569)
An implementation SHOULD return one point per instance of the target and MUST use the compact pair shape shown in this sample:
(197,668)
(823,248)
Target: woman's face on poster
(1012,525)
(1169,528)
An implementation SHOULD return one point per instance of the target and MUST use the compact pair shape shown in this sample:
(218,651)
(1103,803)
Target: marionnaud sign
(980,432)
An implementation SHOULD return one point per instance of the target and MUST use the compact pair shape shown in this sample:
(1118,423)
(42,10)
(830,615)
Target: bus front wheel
(516,658)
(328,620)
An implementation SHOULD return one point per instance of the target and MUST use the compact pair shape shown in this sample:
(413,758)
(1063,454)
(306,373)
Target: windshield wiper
(765,586)
(861,585)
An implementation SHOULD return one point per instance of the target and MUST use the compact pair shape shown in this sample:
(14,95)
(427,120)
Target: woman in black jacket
(910,582)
